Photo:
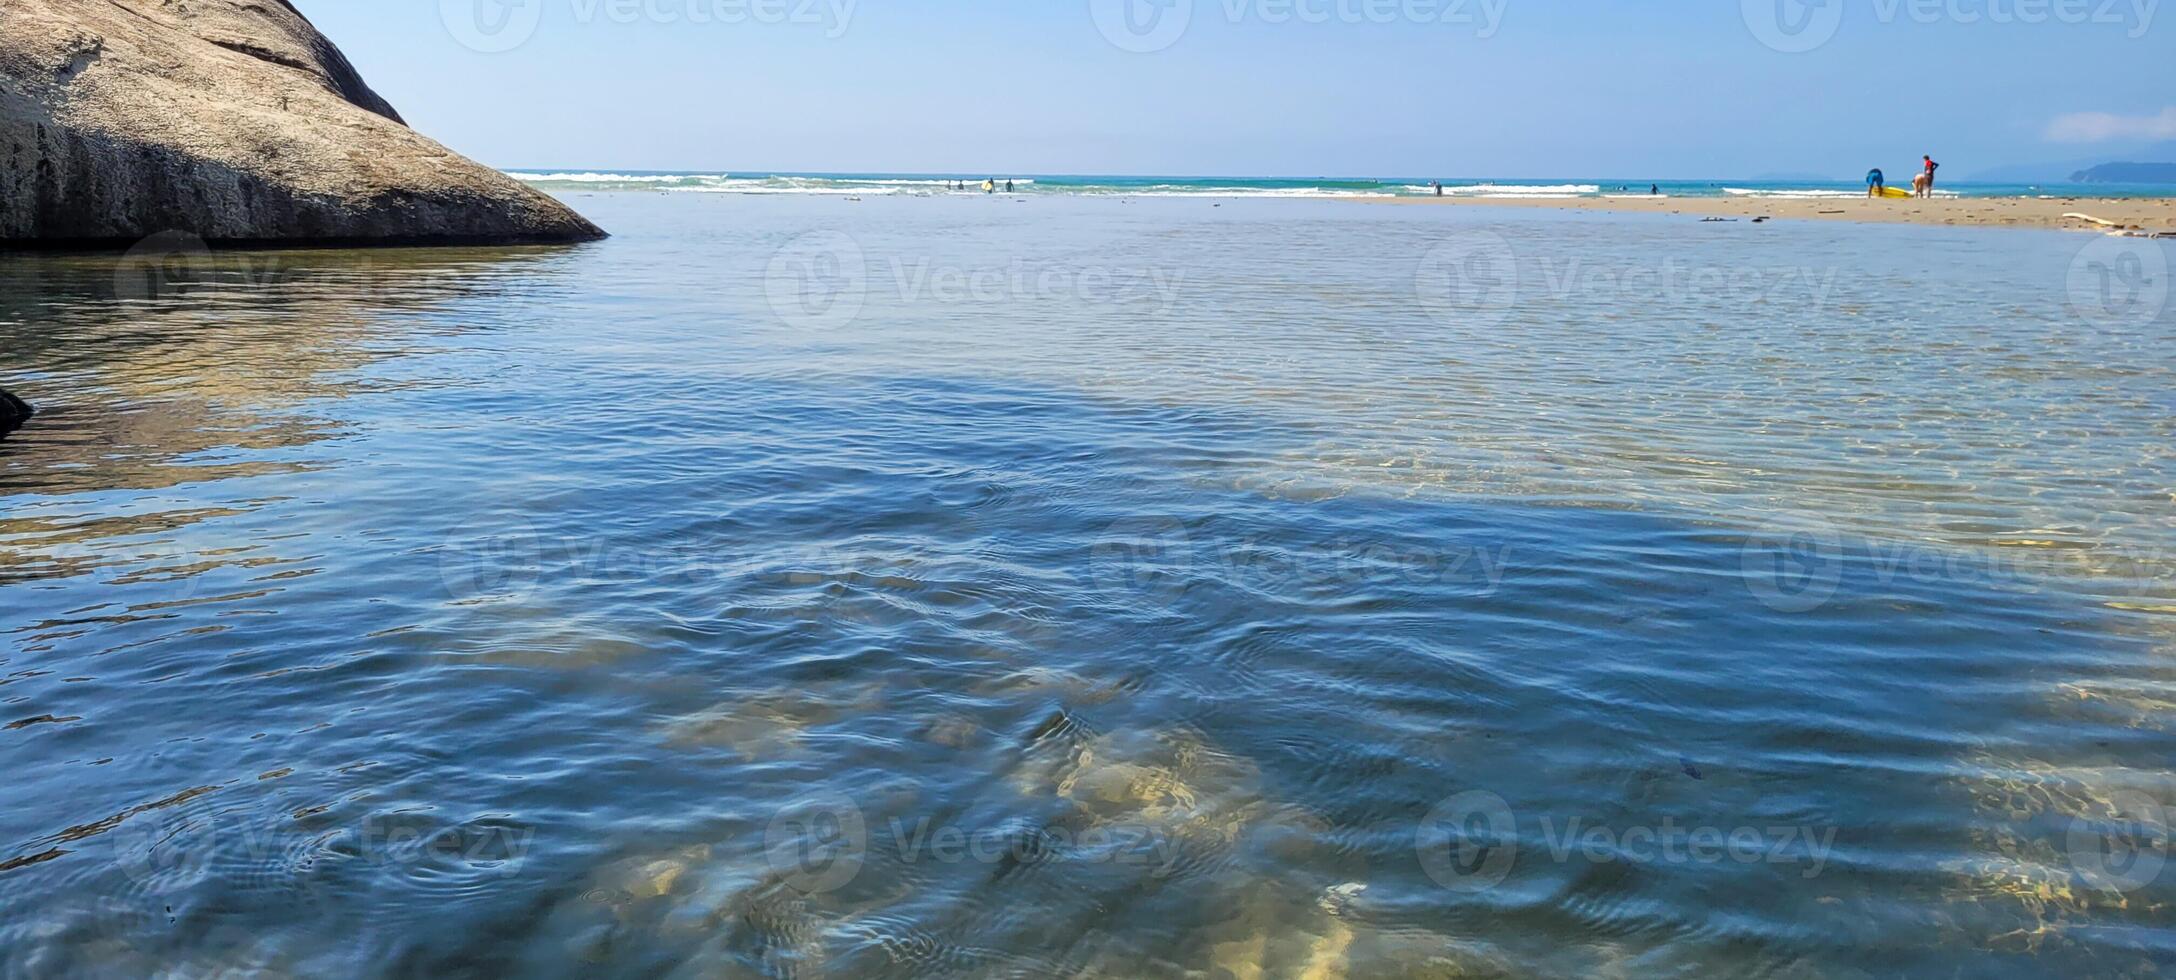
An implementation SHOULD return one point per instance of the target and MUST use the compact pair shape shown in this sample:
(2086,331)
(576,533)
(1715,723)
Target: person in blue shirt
(1874,183)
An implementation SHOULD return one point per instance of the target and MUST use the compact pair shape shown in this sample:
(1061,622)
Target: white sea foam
(592,177)
(719,183)
(1808,193)
(1521,190)
(1180,190)
(1749,192)
(1506,191)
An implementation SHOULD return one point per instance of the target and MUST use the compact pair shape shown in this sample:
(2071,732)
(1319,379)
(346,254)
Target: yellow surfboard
(1888,191)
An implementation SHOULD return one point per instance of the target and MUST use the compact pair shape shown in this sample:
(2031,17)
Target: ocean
(1110,584)
(577,180)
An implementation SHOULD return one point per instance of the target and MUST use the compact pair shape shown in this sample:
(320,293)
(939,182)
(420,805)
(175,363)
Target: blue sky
(1274,87)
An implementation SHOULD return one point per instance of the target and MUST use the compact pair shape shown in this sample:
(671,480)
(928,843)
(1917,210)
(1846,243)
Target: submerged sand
(2141,214)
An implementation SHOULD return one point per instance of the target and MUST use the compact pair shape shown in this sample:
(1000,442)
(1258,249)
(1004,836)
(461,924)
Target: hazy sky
(1633,88)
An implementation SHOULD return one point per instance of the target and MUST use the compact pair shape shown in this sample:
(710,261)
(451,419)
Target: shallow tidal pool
(1093,587)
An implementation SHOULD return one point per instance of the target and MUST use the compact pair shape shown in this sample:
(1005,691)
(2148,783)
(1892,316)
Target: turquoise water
(760,183)
(791,586)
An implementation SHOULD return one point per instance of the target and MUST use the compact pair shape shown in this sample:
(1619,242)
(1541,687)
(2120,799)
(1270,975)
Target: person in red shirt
(1926,179)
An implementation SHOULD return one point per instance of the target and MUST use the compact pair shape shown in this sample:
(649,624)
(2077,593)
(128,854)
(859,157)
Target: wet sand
(2146,214)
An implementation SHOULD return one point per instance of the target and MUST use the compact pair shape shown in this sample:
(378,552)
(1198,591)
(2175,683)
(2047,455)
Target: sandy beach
(2145,214)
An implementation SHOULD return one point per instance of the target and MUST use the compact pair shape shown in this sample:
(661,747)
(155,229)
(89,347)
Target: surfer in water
(1874,184)
(1438,185)
(1008,187)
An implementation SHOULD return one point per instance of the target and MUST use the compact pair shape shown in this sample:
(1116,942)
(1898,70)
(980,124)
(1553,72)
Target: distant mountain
(2056,171)
(2030,173)
(2127,173)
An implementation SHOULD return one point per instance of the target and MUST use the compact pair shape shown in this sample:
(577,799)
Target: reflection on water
(1089,588)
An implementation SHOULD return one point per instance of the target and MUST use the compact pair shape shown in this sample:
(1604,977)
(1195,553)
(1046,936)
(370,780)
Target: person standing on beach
(1926,189)
(1874,182)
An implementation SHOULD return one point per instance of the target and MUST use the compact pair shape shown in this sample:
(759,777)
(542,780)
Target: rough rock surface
(233,120)
(13,413)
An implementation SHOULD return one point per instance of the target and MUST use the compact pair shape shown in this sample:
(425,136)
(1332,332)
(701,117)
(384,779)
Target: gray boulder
(13,413)
(233,120)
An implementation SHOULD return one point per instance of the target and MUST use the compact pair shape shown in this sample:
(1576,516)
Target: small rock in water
(1339,899)
(1690,769)
(13,413)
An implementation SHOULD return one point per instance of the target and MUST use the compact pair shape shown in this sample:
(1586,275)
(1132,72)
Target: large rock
(13,413)
(233,120)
